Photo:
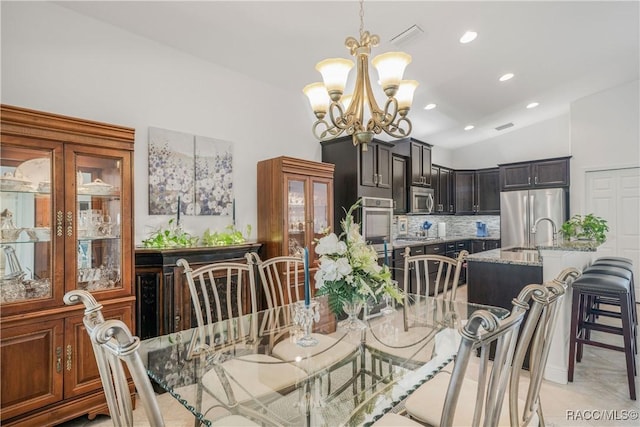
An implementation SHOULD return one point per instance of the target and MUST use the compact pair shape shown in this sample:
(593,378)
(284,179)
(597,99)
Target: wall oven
(377,217)
(421,200)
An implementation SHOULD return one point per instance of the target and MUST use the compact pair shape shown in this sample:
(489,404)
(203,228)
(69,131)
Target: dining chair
(224,305)
(282,279)
(448,398)
(114,348)
(432,280)
(542,303)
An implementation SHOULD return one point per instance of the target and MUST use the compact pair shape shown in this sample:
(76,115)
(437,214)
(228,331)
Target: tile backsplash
(456,226)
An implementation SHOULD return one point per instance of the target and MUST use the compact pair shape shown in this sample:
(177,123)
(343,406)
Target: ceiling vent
(504,126)
(407,35)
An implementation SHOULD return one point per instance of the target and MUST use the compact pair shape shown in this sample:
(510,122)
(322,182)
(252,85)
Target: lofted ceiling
(558,51)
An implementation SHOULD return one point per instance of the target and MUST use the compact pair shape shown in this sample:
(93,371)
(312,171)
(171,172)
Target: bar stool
(586,289)
(626,264)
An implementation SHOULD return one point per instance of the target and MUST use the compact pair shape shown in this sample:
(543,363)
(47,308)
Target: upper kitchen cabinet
(420,157)
(399,186)
(67,205)
(442,183)
(477,192)
(375,165)
(359,173)
(548,173)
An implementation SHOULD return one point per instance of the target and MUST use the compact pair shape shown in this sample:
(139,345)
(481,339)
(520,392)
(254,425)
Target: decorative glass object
(352,309)
(304,316)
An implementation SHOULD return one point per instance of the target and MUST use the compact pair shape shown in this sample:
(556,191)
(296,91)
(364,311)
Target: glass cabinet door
(95,219)
(296,215)
(322,214)
(27,231)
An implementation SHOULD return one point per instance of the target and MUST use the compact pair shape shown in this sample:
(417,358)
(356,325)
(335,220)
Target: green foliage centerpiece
(349,272)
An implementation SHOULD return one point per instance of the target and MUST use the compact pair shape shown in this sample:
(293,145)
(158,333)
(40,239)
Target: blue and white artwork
(191,173)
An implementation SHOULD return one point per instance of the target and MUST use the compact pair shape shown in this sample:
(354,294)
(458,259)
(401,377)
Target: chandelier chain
(361,18)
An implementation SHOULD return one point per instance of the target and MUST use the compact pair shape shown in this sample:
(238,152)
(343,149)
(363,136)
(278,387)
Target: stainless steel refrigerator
(519,211)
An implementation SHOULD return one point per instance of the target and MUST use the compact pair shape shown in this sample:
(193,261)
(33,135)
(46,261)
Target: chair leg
(575,314)
(627,336)
(583,316)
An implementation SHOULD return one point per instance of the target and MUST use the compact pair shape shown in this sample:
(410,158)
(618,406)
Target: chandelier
(346,113)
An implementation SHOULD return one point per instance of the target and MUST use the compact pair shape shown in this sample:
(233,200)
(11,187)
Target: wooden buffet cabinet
(163,299)
(67,223)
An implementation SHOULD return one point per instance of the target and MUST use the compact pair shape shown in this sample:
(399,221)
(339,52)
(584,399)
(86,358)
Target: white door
(615,196)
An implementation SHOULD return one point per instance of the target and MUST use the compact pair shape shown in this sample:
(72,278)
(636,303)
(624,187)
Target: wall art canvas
(191,173)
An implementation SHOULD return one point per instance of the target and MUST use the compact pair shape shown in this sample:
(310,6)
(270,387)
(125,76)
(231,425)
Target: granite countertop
(529,256)
(419,241)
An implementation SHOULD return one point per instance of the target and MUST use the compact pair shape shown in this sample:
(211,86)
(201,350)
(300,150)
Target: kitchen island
(497,276)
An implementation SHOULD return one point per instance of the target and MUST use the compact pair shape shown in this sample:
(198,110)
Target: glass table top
(258,366)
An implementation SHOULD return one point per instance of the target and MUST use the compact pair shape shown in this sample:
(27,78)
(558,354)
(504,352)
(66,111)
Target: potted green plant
(587,227)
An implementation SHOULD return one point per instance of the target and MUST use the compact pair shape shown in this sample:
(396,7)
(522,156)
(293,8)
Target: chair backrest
(113,344)
(536,335)
(432,274)
(224,303)
(282,279)
(483,330)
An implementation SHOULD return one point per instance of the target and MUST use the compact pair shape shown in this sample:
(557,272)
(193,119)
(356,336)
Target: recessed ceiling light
(430,106)
(532,105)
(469,127)
(506,77)
(468,37)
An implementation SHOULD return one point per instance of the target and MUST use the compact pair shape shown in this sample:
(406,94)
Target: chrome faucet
(554,229)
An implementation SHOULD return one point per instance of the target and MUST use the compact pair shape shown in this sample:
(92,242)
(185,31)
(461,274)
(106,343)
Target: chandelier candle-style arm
(347,113)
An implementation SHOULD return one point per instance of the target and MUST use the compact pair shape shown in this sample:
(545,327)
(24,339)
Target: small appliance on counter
(481,229)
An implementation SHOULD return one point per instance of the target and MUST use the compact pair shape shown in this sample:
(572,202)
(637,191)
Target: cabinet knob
(535,181)
(529,181)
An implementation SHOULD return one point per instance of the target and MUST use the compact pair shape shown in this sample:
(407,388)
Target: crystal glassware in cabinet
(98,209)
(25,224)
(297,232)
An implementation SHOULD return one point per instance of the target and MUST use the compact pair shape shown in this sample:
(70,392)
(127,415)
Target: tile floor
(599,390)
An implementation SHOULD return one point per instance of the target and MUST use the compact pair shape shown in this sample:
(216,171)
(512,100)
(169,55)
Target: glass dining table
(279,373)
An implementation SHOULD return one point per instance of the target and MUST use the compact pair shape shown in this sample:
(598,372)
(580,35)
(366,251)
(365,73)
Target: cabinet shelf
(6,190)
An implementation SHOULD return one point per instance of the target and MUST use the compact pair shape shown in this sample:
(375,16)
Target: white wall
(550,138)
(605,134)
(58,61)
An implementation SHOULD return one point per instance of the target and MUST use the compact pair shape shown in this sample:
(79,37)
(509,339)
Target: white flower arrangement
(349,271)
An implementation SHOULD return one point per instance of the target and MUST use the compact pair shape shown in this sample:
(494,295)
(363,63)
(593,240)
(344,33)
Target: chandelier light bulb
(318,98)
(405,93)
(335,72)
(391,66)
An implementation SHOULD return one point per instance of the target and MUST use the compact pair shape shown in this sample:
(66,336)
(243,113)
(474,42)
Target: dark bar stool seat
(624,263)
(584,317)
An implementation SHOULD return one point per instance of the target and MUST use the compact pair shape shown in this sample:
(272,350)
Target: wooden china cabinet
(66,208)
(295,206)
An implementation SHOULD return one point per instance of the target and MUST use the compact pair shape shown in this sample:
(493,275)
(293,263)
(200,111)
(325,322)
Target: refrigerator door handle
(532,237)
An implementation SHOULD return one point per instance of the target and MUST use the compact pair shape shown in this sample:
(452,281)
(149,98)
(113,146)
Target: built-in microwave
(421,200)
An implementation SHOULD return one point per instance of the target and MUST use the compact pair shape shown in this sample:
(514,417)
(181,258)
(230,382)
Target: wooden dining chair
(224,304)
(282,280)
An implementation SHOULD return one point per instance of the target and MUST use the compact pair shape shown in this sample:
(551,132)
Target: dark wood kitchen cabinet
(399,188)
(355,170)
(477,192)
(375,165)
(546,173)
(442,183)
(420,163)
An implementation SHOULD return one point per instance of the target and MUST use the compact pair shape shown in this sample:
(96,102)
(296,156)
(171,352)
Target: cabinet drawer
(438,249)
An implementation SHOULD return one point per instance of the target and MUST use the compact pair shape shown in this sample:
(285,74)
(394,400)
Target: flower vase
(352,310)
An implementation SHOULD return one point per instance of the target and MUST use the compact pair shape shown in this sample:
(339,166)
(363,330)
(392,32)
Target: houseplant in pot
(588,227)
